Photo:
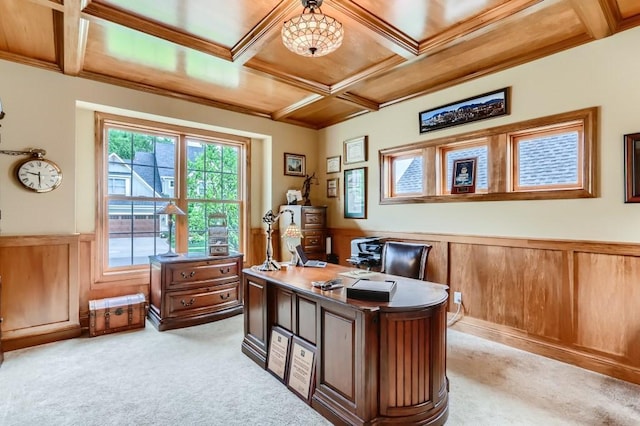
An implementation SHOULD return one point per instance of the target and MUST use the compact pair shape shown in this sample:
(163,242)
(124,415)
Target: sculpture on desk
(306,188)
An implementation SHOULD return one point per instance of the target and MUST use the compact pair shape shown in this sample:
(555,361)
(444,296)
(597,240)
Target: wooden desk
(379,363)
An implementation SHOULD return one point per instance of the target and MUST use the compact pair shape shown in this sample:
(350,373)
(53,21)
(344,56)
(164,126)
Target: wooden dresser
(193,289)
(313,224)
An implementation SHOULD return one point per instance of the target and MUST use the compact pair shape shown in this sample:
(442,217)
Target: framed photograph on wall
(355,150)
(333,164)
(632,168)
(480,107)
(295,164)
(332,188)
(355,193)
(463,178)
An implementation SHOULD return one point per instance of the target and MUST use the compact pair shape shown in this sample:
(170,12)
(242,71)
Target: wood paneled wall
(575,301)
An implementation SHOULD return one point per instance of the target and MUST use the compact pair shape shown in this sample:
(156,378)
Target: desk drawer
(202,301)
(190,275)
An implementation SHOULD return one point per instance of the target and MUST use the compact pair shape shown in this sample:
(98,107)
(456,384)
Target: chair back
(405,259)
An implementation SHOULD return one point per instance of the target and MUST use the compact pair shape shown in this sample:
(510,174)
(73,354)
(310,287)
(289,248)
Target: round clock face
(39,175)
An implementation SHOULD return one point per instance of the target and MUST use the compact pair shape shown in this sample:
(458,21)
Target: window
(545,158)
(145,165)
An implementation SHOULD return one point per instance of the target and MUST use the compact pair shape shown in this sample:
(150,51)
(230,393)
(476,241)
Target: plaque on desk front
(278,356)
(302,368)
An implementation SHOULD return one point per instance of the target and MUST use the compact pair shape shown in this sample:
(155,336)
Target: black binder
(378,291)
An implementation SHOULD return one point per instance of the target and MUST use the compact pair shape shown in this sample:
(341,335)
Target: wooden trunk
(115,314)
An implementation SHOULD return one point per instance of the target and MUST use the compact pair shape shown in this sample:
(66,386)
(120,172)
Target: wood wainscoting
(574,301)
(39,289)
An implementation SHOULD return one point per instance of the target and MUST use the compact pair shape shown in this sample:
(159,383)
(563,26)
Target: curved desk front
(376,362)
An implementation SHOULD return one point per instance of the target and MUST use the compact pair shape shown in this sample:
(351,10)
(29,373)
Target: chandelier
(312,33)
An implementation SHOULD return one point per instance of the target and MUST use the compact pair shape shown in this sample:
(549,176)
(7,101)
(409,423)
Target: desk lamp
(292,230)
(170,210)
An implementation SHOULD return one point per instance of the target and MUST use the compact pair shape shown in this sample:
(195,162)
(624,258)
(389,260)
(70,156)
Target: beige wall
(55,112)
(602,73)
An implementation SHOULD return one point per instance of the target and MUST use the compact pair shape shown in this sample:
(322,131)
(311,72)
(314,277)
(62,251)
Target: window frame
(139,274)
(499,162)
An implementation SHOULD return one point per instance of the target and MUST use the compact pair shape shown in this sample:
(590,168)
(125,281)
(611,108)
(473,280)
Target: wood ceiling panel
(629,8)
(129,55)
(325,112)
(224,22)
(358,52)
(422,19)
(508,43)
(26,29)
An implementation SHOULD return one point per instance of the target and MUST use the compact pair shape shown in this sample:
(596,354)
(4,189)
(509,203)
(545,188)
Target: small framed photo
(302,368)
(632,168)
(333,164)
(332,188)
(278,356)
(463,178)
(355,150)
(295,164)
(355,193)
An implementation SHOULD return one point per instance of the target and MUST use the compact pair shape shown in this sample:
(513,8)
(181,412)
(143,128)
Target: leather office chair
(405,259)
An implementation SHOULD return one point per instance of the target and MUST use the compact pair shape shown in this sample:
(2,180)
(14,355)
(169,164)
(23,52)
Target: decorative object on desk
(278,355)
(312,33)
(463,176)
(306,188)
(632,168)
(302,366)
(333,164)
(332,188)
(355,193)
(295,164)
(170,210)
(218,235)
(378,291)
(355,150)
(487,105)
(269,218)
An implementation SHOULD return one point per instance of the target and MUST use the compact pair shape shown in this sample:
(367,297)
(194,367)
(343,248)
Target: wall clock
(38,174)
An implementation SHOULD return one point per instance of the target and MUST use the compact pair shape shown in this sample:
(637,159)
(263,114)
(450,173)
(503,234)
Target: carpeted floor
(198,376)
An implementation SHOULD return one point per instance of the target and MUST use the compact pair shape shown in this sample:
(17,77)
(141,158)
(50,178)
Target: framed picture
(302,367)
(355,150)
(632,168)
(355,193)
(463,178)
(295,164)
(278,355)
(333,164)
(487,105)
(332,188)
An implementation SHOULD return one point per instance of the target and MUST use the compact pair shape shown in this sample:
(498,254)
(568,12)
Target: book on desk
(379,291)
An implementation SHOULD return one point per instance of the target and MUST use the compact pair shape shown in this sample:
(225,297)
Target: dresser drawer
(313,241)
(313,218)
(193,274)
(202,301)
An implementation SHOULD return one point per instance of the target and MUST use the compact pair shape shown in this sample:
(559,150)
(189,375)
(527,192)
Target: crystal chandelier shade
(312,33)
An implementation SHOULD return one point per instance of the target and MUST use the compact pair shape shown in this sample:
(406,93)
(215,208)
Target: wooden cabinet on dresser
(193,289)
(313,224)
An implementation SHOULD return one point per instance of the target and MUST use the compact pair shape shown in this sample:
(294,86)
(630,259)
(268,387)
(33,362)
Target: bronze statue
(306,188)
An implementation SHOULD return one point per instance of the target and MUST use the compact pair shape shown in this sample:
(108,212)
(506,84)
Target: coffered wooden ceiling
(228,53)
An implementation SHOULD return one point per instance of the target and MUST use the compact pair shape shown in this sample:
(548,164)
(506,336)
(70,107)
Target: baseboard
(27,341)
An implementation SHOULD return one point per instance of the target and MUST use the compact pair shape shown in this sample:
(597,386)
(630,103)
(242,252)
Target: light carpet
(199,376)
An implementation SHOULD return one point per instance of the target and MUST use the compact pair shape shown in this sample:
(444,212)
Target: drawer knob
(189,275)
(189,303)
(225,271)
(223,297)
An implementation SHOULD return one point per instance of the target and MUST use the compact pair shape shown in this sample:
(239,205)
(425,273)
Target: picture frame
(332,188)
(355,150)
(632,168)
(278,354)
(302,368)
(333,164)
(295,164)
(463,176)
(480,107)
(355,193)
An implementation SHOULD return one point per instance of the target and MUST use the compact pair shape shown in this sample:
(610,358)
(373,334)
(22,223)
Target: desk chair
(405,259)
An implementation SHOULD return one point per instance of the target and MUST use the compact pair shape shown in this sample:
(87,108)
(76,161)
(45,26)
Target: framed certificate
(278,355)
(333,164)
(302,367)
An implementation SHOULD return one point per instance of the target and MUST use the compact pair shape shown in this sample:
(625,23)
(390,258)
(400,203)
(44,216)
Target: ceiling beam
(594,15)
(135,23)
(49,4)
(71,37)
(359,101)
(285,112)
